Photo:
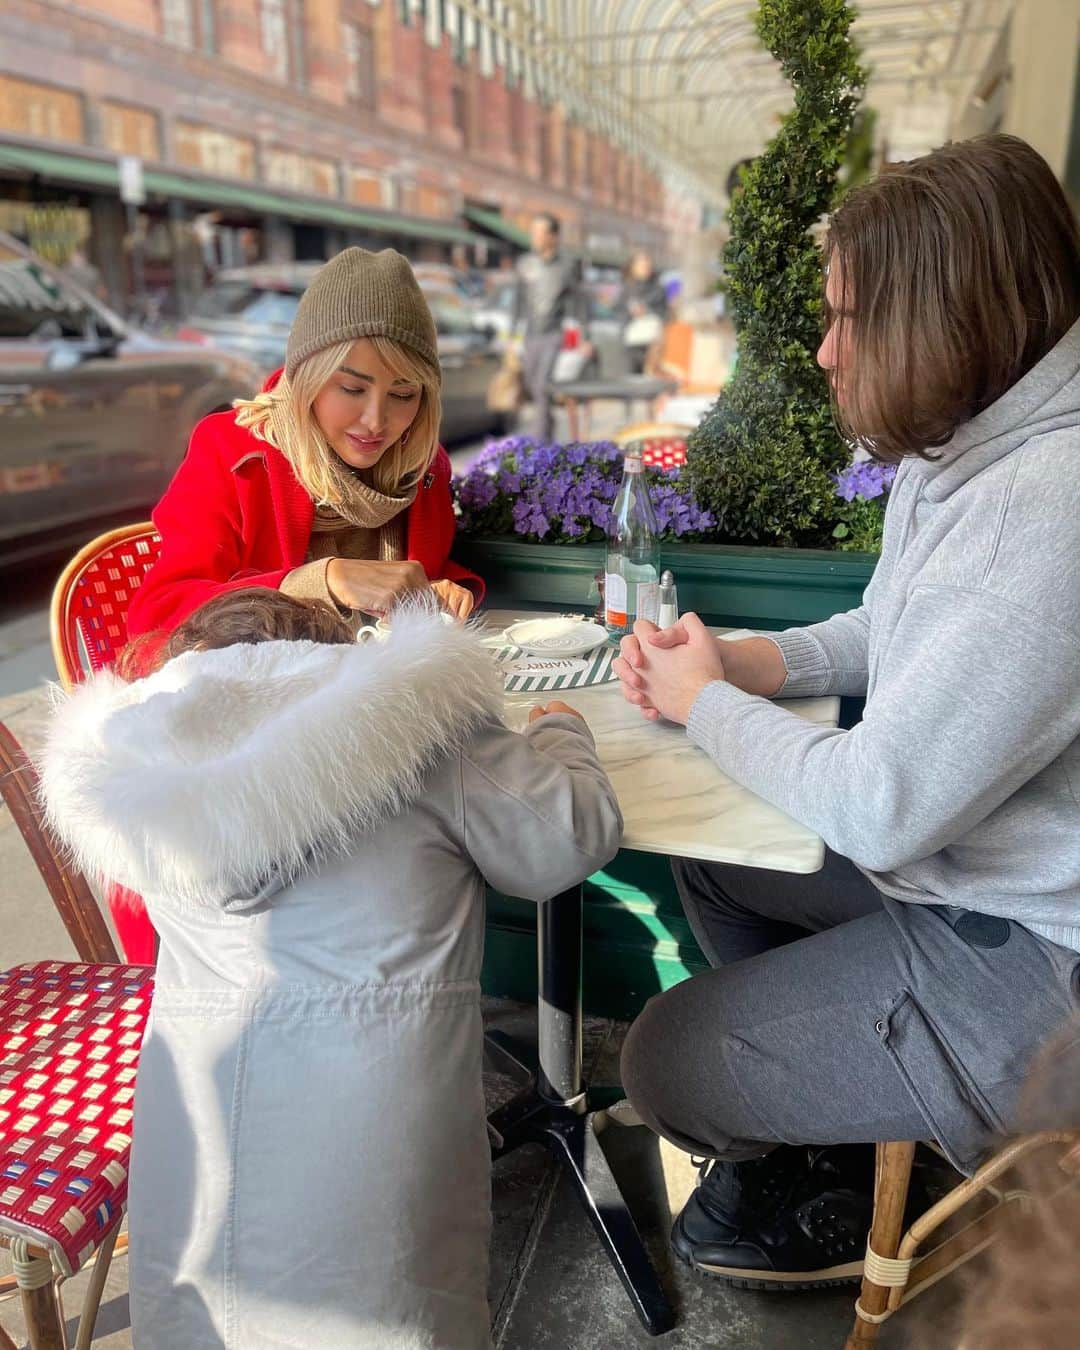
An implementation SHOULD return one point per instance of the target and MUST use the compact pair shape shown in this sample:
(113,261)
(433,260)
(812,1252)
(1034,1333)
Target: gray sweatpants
(835,1014)
(538,361)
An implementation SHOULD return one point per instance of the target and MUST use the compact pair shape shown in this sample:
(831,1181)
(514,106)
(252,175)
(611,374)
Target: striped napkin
(525,674)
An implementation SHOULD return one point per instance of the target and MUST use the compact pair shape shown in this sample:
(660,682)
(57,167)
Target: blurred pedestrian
(549,291)
(642,306)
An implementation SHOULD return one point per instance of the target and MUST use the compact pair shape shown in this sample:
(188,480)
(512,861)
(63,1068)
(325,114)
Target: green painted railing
(736,587)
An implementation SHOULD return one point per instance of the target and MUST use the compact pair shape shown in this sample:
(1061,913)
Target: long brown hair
(960,271)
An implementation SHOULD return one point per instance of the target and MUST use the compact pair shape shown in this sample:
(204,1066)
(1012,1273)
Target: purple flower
(477,491)
(867,479)
(551,492)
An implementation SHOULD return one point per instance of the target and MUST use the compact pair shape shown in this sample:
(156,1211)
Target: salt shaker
(669,603)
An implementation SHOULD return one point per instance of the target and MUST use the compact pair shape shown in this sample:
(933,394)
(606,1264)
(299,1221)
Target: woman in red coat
(329,484)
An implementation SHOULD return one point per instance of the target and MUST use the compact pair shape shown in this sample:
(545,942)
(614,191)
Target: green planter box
(637,940)
(735,587)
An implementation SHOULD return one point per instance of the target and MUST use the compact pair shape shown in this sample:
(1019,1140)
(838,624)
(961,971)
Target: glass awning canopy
(686,83)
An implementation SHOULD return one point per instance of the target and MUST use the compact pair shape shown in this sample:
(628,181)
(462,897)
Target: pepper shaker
(669,602)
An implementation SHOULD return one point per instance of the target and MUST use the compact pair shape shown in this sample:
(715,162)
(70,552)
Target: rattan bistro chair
(88,628)
(88,615)
(896,1268)
(70,1035)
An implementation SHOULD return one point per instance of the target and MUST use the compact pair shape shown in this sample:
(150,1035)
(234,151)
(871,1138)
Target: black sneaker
(809,1232)
(731,1195)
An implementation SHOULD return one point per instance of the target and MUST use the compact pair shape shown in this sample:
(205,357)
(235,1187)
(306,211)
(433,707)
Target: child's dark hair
(250,615)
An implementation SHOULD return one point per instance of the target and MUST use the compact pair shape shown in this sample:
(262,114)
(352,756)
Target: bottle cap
(667,578)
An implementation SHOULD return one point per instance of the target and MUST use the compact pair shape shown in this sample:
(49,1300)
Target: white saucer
(556,636)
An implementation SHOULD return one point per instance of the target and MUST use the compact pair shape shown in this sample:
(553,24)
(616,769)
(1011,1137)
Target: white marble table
(674,799)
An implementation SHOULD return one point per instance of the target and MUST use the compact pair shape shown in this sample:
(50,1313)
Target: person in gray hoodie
(310,822)
(902,991)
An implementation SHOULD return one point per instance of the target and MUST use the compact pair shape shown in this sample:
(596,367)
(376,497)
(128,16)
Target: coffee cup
(379,631)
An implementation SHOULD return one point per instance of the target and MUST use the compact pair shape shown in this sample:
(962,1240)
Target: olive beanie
(362,294)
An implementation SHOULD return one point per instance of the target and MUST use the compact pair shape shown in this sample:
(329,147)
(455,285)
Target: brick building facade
(305,125)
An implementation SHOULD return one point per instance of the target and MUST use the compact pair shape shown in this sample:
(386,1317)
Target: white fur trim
(226,767)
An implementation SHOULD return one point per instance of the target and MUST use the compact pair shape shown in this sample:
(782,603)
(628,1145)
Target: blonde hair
(284,418)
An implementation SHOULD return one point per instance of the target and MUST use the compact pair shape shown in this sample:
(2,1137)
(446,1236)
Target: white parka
(310,827)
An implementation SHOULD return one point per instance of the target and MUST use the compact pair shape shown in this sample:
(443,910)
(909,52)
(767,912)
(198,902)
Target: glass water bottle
(632,574)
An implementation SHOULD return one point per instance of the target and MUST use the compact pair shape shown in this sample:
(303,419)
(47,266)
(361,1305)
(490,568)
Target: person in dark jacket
(643,308)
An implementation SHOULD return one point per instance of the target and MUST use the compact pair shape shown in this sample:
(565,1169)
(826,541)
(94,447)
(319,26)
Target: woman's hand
(373,587)
(455,599)
(553,707)
(664,679)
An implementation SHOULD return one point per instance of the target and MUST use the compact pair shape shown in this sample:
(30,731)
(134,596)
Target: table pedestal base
(568,1122)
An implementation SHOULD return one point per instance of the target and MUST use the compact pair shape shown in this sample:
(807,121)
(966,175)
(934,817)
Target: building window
(460,104)
(274,30)
(301,172)
(202,147)
(127,130)
(31,109)
(178,22)
(207,26)
(359,63)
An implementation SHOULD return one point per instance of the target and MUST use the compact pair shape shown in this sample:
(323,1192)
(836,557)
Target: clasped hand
(663,670)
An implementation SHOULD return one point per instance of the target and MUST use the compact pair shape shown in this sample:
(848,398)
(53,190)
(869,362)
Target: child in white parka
(311,822)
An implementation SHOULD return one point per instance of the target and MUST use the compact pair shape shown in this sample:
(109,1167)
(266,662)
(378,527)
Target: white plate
(556,636)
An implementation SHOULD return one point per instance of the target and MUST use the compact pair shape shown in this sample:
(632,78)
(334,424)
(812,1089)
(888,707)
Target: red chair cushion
(103,593)
(70,1036)
(664,452)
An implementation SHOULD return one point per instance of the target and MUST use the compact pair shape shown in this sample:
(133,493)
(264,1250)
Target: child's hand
(553,707)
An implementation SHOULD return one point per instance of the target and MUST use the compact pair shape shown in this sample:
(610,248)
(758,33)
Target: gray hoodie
(961,785)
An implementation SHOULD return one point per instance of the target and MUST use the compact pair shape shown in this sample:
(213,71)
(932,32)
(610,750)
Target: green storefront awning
(79,169)
(86,171)
(498,226)
(324,210)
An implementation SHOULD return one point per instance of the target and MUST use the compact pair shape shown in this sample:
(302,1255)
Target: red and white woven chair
(70,1035)
(88,615)
(663,444)
(88,628)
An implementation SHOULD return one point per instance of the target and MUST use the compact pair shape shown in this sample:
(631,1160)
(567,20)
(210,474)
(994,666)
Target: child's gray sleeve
(539,812)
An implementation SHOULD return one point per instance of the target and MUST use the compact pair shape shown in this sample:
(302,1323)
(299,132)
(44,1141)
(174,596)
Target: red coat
(235,515)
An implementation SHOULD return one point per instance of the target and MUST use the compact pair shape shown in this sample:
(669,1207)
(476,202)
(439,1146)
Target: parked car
(495,308)
(94,414)
(465,283)
(249,311)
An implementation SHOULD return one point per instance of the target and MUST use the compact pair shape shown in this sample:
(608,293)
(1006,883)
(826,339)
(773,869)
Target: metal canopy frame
(685,84)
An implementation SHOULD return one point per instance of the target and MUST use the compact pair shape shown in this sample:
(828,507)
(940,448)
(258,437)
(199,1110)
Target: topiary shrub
(763,458)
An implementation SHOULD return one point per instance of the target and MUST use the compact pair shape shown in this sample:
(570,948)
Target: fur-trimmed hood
(222,776)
